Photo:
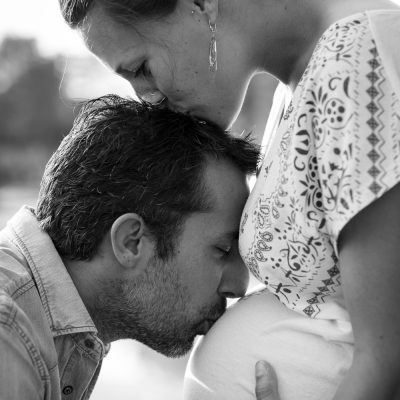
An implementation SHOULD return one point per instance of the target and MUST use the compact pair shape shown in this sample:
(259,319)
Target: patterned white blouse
(333,150)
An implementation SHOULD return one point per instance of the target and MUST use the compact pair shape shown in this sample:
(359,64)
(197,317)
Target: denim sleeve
(20,361)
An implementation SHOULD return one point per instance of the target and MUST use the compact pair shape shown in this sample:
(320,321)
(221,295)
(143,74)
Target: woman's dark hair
(123,156)
(74,12)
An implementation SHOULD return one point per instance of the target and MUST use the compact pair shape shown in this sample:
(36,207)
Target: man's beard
(153,310)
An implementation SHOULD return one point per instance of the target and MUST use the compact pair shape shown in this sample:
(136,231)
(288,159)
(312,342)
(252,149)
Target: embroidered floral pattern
(335,151)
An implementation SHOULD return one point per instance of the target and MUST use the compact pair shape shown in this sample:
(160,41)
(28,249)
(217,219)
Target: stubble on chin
(127,311)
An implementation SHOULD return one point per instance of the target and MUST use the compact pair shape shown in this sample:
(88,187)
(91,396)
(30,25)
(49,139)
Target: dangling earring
(212,58)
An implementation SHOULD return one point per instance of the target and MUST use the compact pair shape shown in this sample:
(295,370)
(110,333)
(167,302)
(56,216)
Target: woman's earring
(212,58)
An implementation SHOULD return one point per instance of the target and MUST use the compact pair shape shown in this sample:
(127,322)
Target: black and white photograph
(200,200)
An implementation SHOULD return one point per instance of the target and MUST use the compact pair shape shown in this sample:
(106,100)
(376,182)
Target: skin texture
(276,37)
(130,293)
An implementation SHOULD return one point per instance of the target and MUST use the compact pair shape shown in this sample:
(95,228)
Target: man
(134,236)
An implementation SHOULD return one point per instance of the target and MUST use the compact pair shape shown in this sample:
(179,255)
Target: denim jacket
(49,347)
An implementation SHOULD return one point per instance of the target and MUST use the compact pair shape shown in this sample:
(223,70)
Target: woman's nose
(235,279)
(153,97)
(147,92)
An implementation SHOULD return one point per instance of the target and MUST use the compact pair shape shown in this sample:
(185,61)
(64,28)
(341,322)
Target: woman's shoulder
(354,44)
(349,37)
(354,27)
(385,30)
(341,44)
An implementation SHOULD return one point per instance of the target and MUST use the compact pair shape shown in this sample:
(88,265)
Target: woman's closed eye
(143,70)
(224,251)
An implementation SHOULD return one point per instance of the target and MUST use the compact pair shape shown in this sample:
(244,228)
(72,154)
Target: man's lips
(205,326)
(211,317)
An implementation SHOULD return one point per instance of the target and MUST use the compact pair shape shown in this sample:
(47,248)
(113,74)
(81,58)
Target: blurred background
(44,73)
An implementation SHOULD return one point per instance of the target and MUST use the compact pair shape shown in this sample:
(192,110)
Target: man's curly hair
(122,156)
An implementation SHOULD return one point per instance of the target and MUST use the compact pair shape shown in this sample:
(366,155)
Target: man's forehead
(228,235)
(227,191)
(223,179)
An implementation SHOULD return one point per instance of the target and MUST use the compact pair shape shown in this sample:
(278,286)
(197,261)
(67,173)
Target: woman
(321,227)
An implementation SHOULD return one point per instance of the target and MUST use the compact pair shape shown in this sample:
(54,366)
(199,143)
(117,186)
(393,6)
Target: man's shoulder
(15,323)
(21,311)
(24,324)
(20,308)
(15,276)
(21,351)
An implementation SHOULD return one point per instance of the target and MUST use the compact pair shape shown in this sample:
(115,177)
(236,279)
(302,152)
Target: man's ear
(132,246)
(209,8)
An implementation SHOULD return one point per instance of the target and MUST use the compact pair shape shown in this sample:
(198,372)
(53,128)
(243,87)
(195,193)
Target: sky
(40,19)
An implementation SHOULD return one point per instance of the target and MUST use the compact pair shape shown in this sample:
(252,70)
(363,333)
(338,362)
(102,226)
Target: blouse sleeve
(355,119)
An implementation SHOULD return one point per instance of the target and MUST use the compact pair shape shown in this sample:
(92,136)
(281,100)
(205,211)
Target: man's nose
(235,279)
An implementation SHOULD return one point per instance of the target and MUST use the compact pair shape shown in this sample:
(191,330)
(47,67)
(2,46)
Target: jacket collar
(61,301)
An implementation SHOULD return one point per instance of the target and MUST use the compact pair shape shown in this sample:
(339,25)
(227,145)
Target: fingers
(266,382)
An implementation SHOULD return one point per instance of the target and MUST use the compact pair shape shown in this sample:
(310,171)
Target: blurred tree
(17,55)
(32,110)
(33,115)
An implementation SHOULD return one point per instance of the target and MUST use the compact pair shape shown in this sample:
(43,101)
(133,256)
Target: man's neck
(96,290)
(84,279)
